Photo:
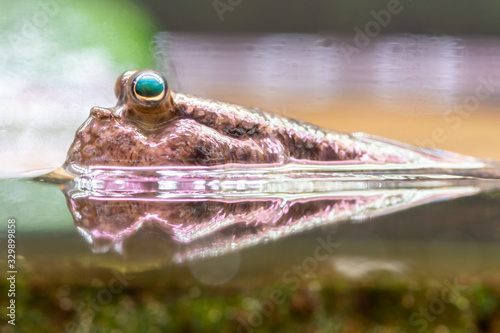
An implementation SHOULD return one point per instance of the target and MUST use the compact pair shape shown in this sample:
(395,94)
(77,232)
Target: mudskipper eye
(149,88)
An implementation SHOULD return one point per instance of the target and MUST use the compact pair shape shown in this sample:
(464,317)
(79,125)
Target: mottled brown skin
(185,130)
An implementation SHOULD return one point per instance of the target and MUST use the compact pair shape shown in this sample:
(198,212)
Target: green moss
(48,304)
(484,301)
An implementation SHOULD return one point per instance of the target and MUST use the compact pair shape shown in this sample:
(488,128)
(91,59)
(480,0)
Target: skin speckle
(185,130)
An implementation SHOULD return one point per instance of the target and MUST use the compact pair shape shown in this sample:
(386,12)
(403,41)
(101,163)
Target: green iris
(148,86)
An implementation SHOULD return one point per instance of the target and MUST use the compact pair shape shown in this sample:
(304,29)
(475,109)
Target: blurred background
(423,72)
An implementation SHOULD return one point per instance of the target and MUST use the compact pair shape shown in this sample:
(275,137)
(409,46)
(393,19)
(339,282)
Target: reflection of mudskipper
(164,172)
(188,227)
(207,177)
